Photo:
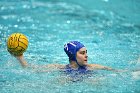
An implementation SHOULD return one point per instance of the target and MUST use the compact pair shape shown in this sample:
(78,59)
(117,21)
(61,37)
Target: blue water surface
(110,30)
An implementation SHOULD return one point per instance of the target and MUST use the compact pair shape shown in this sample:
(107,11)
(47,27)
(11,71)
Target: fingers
(15,54)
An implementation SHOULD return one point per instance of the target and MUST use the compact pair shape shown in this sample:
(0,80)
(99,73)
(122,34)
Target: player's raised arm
(22,61)
(17,44)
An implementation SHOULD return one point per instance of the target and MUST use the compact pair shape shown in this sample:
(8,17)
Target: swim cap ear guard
(71,49)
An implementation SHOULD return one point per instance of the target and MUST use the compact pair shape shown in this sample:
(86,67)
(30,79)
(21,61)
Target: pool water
(110,29)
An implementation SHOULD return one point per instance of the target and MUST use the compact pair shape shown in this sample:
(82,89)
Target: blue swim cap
(71,48)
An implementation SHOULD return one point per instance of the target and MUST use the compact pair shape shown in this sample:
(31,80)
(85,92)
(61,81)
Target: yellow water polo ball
(17,44)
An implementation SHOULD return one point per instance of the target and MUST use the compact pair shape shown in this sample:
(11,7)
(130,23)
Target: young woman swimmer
(78,59)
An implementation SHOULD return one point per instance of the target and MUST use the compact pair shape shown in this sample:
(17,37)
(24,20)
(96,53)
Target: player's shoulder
(95,66)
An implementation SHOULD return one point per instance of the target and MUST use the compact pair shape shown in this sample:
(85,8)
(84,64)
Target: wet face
(81,56)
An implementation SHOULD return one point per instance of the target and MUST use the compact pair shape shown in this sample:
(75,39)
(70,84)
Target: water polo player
(78,58)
